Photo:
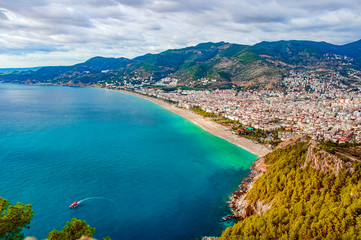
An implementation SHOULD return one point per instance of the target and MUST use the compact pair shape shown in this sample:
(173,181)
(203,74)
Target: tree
(13,219)
(72,230)
(305,203)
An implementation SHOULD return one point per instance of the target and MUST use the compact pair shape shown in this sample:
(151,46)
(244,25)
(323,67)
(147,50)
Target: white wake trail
(89,198)
(102,198)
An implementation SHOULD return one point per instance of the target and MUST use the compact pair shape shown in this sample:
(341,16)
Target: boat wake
(90,198)
(99,198)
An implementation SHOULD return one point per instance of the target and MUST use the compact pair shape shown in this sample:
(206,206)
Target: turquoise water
(152,174)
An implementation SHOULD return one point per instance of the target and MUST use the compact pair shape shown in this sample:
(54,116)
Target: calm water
(149,173)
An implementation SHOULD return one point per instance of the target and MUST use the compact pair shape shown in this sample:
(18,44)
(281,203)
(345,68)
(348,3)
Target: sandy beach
(210,126)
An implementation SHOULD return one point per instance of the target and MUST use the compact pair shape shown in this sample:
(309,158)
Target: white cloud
(58,32)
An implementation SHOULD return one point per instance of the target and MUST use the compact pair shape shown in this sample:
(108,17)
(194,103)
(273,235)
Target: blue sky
(64,32)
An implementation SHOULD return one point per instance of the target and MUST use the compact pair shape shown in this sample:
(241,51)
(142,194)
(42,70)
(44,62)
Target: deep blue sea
(145,172)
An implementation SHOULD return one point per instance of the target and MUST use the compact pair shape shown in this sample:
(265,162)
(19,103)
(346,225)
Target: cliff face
(316,158)
(241,207)
(306,190)
(325,162)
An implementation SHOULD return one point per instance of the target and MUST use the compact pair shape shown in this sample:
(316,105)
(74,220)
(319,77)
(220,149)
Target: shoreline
(211,127)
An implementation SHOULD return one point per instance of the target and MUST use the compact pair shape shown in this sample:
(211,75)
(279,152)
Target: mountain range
(228,64)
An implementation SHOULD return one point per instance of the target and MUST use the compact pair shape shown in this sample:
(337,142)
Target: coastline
(209,126)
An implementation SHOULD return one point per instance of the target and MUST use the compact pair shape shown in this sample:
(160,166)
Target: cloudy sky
(64,32)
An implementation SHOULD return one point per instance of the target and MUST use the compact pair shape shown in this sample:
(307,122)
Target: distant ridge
(6,70)
(230,65)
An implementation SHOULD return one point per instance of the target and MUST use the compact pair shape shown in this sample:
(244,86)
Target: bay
(145,172)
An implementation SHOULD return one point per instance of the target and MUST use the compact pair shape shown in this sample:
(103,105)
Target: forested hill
(310,190)
(230,65)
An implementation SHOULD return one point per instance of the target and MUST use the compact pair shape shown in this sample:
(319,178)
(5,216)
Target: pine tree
(13,219)
(72,230)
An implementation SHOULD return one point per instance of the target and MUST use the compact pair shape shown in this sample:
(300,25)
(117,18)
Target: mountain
(227,65)
(89,69)
(9,70)
(302,190)
(306,52)
(352,50)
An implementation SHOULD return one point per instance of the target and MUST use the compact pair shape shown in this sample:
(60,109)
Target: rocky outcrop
(240,206)
(324,161)
(316,158)
(243,208)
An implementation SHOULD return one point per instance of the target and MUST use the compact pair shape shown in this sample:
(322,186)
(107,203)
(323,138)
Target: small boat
(74,204)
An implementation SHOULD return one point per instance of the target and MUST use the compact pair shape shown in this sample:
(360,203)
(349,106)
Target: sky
(65,32)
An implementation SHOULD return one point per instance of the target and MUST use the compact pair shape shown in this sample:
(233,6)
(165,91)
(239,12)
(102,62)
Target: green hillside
(228,65)
(311,194)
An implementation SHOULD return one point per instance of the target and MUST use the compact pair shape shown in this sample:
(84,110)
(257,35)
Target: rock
(323,161)
(241,207)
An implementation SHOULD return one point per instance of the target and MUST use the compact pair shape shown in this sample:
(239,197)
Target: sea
(139,170)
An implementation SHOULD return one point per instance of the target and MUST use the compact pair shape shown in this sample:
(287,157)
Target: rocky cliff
(304,189)
(324,161)
(240,206)
(316,158)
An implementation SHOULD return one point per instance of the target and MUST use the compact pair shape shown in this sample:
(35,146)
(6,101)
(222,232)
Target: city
(318,105)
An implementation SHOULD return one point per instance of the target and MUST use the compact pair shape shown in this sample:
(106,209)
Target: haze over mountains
(7,70)
(228,65)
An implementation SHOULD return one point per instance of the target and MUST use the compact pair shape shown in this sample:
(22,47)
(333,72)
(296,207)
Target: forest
(305,203)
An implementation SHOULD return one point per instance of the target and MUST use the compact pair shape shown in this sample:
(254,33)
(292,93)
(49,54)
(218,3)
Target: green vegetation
(200,70)
(72,230)
(328,146)
(225,121)
(203,113)
(254,134)
(346,151)
(150,67)
(14,218)
(332,147)
(187,88)
(248,58)
(225,76)
(169,89)
(230,64)
(305,203)
(233,50)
